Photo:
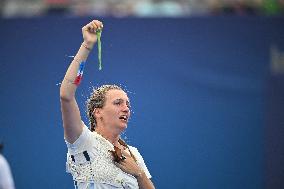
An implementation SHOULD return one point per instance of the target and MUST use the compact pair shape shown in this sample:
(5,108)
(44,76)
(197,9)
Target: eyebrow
(120,99)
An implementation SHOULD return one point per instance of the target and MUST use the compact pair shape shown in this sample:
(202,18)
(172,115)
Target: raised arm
(70,111)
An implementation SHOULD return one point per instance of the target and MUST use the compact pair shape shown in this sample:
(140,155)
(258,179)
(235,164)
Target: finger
(118,165)
(123,160)
(125,153)
(88,27)
(98,24)
(85,28)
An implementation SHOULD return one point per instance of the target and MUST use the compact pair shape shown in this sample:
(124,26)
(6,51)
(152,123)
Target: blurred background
(205,79)
(140,8)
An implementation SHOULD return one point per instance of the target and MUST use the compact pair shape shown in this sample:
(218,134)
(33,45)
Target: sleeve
(140,161)
(82,143)
(6,178)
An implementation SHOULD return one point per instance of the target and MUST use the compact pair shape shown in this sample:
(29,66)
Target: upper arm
(72,124)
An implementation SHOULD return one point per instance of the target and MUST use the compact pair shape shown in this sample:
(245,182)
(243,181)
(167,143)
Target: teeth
(123,117)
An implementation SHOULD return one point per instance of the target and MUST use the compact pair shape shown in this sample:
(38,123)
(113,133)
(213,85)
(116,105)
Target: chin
(122,127)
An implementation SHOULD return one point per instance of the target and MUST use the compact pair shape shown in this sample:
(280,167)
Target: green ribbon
(99,34)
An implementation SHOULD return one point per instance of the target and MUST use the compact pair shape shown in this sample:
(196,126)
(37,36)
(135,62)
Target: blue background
(199,88)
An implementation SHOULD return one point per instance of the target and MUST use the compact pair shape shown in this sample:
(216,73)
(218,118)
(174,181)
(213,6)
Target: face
(116,111)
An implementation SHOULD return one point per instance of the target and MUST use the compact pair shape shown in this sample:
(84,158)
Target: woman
(98,158)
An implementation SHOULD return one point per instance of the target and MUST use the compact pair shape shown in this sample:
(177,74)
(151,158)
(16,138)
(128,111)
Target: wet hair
(97,100)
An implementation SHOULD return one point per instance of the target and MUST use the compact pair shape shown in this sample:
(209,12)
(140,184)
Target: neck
(110,136)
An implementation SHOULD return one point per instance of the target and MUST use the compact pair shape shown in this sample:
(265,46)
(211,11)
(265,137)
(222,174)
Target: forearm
(144,182)
(68,85)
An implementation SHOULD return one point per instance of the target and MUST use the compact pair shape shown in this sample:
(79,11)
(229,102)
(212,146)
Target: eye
(117,102)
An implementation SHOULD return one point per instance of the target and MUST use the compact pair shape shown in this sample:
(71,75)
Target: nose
(126,108)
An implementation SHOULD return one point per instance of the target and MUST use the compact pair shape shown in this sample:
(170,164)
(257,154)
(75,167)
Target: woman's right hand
(89,32)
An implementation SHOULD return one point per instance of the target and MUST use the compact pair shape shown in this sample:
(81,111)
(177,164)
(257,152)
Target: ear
(97,112)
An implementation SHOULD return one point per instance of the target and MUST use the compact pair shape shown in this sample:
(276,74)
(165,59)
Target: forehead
(116,94)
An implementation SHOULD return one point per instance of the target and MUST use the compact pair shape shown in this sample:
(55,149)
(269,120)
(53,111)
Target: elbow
(65,96)
(67,93)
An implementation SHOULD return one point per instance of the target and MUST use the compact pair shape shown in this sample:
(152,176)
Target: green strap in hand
(99,34)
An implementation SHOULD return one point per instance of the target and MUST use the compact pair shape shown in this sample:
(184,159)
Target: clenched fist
(89,32)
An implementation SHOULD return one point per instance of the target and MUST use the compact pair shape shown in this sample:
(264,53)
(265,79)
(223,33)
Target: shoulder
(4,165)
(2,160)
(84,140)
